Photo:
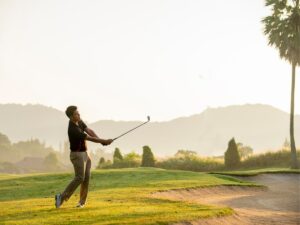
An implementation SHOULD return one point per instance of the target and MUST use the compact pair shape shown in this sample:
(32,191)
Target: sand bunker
(279,203)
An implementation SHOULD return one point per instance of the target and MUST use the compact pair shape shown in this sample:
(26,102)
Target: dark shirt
(77,136)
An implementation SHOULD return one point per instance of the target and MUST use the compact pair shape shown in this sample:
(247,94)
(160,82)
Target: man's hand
(107,142)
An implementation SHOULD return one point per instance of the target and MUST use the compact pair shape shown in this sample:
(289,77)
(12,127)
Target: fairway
(117,196)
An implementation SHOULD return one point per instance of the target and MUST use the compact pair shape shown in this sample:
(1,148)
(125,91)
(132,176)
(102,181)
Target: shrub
(130,160)
(106,165)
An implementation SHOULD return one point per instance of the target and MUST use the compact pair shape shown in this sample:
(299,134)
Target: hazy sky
(124,60)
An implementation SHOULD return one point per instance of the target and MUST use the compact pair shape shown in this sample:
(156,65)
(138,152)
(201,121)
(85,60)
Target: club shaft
(130,130)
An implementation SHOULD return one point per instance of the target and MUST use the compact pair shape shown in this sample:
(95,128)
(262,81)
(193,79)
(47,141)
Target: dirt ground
(278,204)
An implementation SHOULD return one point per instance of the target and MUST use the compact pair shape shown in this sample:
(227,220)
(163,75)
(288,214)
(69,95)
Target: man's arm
(99,140)
(90,132)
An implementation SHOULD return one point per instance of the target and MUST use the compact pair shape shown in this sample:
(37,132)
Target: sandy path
(278,204)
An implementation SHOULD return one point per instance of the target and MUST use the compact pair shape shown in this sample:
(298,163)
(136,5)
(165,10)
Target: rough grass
(117,196)
(194,163)
(278,159)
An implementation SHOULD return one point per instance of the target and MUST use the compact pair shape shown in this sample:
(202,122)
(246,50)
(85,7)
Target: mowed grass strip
(117,196)
(254,172)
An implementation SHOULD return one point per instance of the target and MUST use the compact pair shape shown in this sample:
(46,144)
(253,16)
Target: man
(78,133)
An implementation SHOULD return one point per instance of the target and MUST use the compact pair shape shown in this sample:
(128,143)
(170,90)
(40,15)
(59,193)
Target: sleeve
(83,125)
(78,134)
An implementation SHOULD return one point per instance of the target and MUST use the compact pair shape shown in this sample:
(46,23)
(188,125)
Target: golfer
(78,133)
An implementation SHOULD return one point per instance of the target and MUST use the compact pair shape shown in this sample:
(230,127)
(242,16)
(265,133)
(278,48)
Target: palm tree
(283,31)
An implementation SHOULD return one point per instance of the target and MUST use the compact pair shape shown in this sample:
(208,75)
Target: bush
(232,157)
(104,164)
(130,160)
(148,157)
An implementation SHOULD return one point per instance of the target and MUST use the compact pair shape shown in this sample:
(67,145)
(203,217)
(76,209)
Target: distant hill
(262,127)
(22,122)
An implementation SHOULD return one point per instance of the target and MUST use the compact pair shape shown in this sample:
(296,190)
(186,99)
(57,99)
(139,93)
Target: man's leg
(85,184)
(77,159)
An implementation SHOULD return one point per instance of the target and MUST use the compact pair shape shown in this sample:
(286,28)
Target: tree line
(236,156)
(129,160)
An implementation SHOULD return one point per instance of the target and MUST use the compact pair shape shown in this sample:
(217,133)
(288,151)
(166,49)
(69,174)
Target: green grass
(117,196)
(254,172)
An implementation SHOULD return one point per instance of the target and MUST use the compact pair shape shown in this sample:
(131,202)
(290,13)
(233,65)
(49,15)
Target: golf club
(148,119)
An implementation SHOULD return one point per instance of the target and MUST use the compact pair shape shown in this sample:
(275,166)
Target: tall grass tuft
(280,158)
(194,163)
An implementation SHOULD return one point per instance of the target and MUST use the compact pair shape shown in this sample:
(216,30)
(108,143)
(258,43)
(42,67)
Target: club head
(148,117)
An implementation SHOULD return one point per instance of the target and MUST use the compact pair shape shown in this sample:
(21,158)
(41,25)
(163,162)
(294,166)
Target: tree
(51,160)
(185,154)
(4,140)
(102,160)
(244,151)
(283,31)
(286,145)
(132,159)
(8,167)
(117,156)
(232,157)
(148,157)
(5,146)
(101,163)
(65,153)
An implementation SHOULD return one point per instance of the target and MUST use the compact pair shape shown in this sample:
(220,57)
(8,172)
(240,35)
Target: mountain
(22,122)
(262,127)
